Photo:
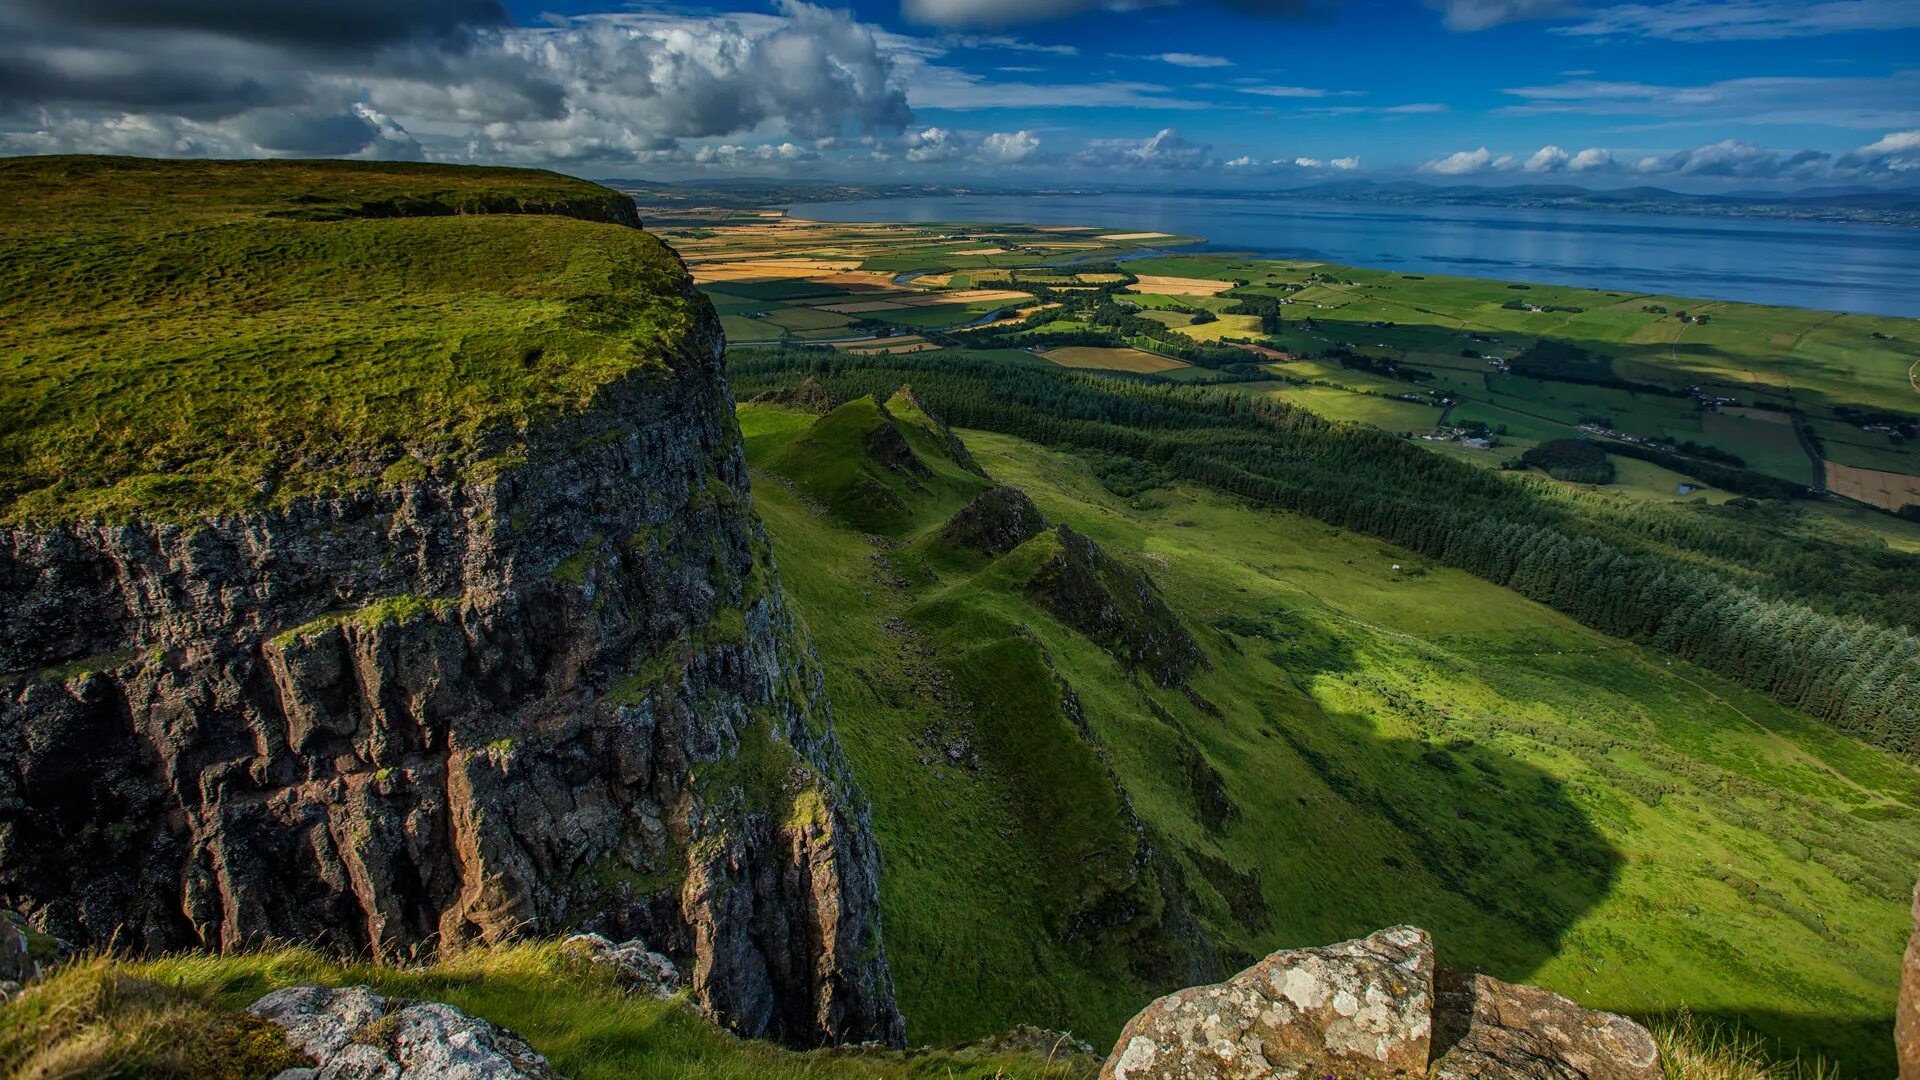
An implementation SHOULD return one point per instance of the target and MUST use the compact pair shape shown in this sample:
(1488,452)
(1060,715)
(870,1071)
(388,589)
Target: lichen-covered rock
(1116,605)
(998,520)
(555,688)
(639,969)
(1906,1027)
(356,1034)
(1361,1008)
(1485,1029)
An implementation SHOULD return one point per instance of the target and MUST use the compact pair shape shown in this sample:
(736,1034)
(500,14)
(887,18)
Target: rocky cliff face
(558,688)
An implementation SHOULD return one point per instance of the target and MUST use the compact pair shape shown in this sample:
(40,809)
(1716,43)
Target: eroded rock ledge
(566,694)
(1376,1007)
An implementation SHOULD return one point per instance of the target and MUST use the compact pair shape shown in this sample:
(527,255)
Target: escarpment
(552,685)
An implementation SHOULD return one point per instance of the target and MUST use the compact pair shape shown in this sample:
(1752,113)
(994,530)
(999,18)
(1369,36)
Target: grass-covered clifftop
(191,338)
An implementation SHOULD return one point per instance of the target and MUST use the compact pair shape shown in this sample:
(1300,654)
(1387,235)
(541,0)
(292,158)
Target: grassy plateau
(188,338)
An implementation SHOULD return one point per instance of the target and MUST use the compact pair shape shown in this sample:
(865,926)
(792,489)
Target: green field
(1362,746)
(151,367)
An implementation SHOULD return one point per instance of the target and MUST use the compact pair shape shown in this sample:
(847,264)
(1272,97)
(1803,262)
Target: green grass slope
(180,338)
(183,1018)
(1361,745)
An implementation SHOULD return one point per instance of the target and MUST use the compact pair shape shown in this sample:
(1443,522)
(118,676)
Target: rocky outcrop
(808,395)
(552,687)
(907,399)
(998,520)
(356,1034)
(1906,1025)
(1376,1007)
(1116,605)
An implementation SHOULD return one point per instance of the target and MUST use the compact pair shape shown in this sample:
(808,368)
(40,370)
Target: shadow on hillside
(1860,1049)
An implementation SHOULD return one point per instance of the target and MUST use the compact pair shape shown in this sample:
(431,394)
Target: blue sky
(1692,94)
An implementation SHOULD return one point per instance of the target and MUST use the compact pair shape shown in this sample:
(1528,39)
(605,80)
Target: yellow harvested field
(980,251)
(887,345)
(1101,279)
(1178,286)
(863,306)
(1079,356)
(1134,235)
(1063,228)
(1886,490)
(976,296)
(1239,326)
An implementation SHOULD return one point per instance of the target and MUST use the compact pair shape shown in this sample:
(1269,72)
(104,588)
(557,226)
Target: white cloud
(1460,163)
(1298,92)
(1689,20)
(1007,147)
(1591,159)
(1547,159)
(1883,101)
(935,145)
(1167,149)
(1346,164)
(1744,20)
(1308,163)
(1486,14)
(1192,60)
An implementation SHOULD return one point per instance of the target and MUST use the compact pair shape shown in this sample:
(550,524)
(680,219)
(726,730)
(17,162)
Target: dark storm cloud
(295,24)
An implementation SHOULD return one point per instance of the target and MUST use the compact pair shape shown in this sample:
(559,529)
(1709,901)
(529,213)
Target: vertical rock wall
(556,688)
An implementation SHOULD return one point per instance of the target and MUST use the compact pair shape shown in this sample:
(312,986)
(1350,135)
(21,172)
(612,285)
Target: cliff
(533,674)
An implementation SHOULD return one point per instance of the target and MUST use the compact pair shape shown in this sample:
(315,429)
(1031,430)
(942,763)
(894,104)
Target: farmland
(1706,399)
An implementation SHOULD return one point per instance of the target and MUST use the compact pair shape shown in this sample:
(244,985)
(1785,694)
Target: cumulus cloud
(1007,147)
(1547,159)
(194,77)
(1460,163)
(935,145)
(1167,149)
(1897,152)
(1591,159)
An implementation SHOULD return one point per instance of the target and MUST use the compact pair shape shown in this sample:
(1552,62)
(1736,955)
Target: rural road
(1913,376)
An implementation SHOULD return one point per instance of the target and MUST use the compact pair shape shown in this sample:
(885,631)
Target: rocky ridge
(566,693)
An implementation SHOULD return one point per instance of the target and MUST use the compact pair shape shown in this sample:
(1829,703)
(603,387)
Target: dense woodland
(1820,624)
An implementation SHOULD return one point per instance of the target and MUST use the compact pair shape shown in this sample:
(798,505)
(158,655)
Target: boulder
(1377,1007)
(1362,1008)
(1906,1024)
(354,1033)
(1485,1029)
(639,969)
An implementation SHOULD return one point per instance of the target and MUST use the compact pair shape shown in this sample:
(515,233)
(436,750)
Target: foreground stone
(1376,1007)
(356,1034)
(639,969)
(1357,1009)
(1485,1028)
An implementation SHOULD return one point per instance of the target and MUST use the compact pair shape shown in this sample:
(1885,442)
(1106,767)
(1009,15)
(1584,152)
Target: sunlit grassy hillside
(179,338)
(1371,740)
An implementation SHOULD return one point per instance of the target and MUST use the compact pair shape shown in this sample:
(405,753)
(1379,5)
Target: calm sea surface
(1860,268)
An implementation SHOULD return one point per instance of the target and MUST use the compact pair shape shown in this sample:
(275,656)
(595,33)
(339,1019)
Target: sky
(1700,95)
